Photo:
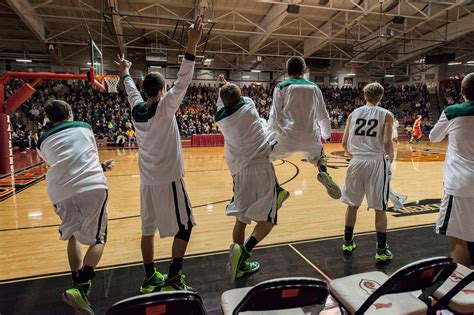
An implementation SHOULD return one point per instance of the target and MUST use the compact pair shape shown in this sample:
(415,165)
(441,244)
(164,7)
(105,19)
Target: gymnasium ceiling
(359,34)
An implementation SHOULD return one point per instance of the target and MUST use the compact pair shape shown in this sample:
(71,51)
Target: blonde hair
(373,92)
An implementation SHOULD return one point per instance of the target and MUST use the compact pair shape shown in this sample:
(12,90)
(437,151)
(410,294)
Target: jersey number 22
(361,129)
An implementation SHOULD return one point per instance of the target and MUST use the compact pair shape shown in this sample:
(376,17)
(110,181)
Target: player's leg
(383,252)
(238,233)
(92,206)
(176,279)
(255,189)
(181,209)
(352,195)
(317,157)
(153,280)
(378,184)
(348,244)
(459,251)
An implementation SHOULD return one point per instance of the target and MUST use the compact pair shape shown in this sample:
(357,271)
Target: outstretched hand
(123,64)
(195,33)
(221,80)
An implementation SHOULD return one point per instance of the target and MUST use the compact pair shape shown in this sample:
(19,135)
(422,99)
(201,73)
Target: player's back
(366,132)
(69,150)
(298,119)
(459,165)
(246,137)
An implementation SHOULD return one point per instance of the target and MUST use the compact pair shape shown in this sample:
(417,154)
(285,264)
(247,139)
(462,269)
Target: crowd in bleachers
(110,116)
(450,93)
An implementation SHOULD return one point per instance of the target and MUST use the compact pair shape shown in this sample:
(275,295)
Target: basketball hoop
(112,82)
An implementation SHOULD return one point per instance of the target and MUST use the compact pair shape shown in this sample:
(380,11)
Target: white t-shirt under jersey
(246,137)
(298,114)
(70,151)
(159,142)
(456,121)
(366,132)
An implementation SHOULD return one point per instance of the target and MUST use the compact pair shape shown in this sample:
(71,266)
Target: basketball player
(165,206)
(257,196)
(78,190)
(368,142)
(299,117)
(417,133)
(456,216)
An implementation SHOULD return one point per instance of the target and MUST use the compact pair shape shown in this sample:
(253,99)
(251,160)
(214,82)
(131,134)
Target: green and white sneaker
(248,266)
(78,298)
(236,259)
(282,195)
(152,284)
(383,254)
(331,186)
(177,283)
(348,247)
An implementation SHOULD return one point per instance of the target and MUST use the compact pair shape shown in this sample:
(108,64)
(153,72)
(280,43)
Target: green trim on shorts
(444,228)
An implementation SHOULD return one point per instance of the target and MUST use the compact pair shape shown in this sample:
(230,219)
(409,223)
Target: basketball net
(112,83)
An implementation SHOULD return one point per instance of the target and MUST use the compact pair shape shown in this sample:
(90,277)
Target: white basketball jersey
(366,132)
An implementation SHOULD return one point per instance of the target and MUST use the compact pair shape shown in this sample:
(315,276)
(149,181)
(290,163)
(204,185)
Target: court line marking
(138,215)
(197,255)
(310,263)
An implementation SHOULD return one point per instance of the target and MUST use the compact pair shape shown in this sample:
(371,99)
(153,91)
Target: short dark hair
(295,65)
(57,111)
(153,83)
(230,94)
(467,86)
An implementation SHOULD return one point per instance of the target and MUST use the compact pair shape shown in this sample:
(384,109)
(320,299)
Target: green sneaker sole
(242,273)
(150,289)
(383,257)
(235,253)
(331,186)
(281,198)
(74,299)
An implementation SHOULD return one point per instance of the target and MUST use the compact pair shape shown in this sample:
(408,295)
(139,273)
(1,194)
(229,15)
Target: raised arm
(387,137)
(173,98)
(134,96)
(440,129)
(323,116)
(221,82)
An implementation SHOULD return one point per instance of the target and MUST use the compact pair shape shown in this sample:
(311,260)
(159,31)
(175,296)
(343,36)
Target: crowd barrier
(217,140)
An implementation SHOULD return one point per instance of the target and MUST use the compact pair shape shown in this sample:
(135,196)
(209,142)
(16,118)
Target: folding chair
(457,293)
(160,303)
(377,293)
(293,295)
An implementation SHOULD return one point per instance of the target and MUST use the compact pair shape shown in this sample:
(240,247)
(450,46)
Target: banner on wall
(348,82)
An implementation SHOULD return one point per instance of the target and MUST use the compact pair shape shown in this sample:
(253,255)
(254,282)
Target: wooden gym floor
(29,244)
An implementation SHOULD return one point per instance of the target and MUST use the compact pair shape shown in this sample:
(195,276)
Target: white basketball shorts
(84,216)
(165,208)
(370,178)
(255,196)
(456,218)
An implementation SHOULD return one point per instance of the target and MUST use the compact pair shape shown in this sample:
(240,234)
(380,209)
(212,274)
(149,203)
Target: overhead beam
(274,17)
(453,32)
(312,45)
(34,23)
(113,6)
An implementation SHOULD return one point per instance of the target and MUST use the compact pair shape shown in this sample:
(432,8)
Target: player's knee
(184,234)
(352,208)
